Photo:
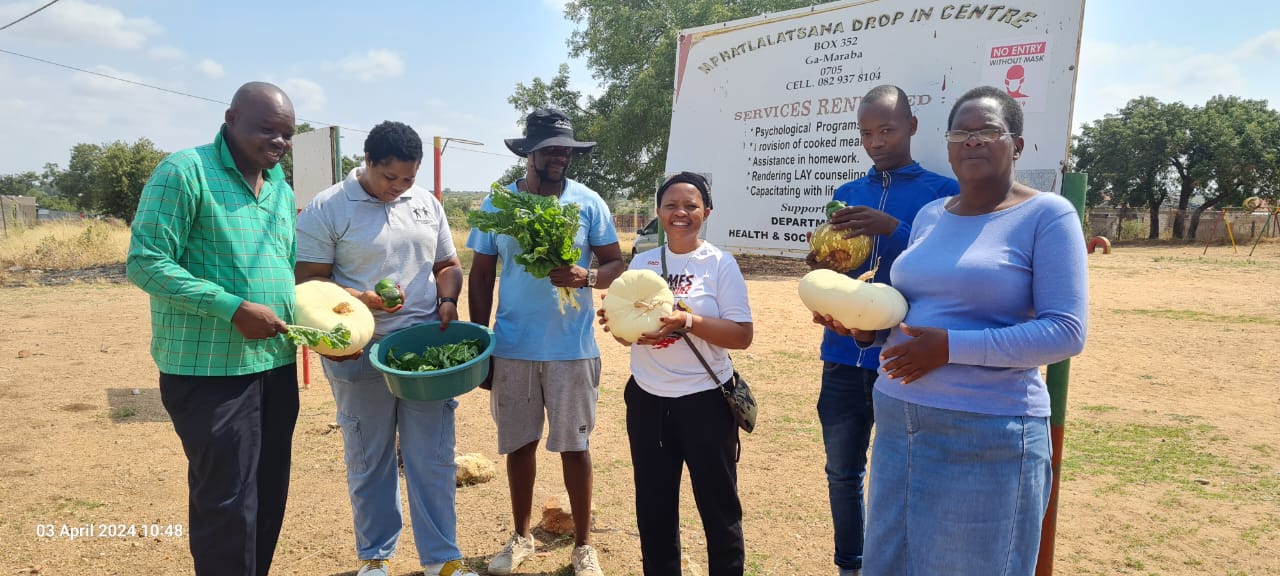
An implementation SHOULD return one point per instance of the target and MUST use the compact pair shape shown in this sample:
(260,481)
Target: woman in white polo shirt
(377,224)
(676,415)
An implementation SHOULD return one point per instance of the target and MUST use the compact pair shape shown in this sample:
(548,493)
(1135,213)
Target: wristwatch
(441,300)
(591,278)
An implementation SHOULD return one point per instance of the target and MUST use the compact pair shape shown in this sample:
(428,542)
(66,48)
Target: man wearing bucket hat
(378,224)
(546,365)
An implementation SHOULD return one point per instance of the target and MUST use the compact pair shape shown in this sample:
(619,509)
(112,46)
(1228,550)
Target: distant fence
(629,223)
(45,215)
(1118,224)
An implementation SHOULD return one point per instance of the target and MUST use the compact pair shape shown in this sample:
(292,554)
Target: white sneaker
(451,568)
(518,549)
(585,562)
(376,567)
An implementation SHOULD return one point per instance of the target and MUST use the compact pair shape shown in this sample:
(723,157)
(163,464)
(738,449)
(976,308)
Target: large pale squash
(323,305)
(636,302)
(853,303)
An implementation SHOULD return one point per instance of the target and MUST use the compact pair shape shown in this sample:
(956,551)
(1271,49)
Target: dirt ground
(1179,344)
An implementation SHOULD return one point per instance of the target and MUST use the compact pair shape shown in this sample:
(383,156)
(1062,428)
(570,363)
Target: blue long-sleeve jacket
(900,193)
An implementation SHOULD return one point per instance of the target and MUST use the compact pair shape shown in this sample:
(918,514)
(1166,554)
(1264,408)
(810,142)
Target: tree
(1224,151)
(591,169)
(630,48)
(76,182)
(21,184)
(350,163)
(120,172)
(1242,151)
(1187,159)
(1128,155)
(40,186)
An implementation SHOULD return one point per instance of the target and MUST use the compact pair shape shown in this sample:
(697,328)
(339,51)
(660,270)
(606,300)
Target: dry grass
(90,243)
(66,245)
(625,240)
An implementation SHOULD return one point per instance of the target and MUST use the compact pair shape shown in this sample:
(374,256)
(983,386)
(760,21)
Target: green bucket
(437,384)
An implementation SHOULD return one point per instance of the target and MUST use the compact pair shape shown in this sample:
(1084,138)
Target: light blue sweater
(1010,287)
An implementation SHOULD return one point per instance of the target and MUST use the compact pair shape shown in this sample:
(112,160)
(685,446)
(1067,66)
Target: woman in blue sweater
(997,286)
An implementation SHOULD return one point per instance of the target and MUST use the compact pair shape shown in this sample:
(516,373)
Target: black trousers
(237,433)
(667,434)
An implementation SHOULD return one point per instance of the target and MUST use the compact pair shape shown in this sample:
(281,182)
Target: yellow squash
(832,250)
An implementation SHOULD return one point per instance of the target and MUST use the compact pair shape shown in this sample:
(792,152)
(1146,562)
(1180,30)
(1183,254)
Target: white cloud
(66,109)
(166,54)
(371,65)
(557,5)
(80,22)
(210,69)
(307,96)
(1265,45)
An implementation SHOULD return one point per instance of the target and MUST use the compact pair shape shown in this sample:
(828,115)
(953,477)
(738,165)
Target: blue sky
(447,68)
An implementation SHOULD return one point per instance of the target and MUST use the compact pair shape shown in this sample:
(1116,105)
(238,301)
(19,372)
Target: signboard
(315,163)
(768,105)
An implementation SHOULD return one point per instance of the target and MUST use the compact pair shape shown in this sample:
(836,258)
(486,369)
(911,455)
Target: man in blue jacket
(880,205)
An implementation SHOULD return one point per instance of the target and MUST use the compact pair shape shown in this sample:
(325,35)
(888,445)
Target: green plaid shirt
(201,244)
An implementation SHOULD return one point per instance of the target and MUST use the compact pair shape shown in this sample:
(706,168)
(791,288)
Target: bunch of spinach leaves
(336,339)
(544,228)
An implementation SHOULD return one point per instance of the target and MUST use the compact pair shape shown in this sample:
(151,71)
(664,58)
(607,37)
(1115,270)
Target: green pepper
(832,207)
(389,291)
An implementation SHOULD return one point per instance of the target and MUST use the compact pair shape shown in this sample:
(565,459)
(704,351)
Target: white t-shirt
(709,282)
(366,240)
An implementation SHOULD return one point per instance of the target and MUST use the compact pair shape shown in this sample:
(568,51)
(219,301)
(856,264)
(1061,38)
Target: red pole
(1057,379)
(436,141)
(1049,526)
(306,362)
(306,370)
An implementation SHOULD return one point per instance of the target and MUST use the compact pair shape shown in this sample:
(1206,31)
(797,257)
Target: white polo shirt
(366,240)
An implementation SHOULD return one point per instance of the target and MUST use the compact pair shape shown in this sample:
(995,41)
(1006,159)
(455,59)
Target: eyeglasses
(985,135)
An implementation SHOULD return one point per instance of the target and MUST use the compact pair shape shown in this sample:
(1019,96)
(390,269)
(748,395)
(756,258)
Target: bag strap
(685,336)
(737,434)
(702,360)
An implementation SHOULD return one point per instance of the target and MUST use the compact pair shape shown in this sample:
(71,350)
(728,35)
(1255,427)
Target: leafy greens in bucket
(434,357)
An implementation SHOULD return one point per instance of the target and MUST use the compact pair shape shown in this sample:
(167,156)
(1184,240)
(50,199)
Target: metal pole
(1057,377)
(1266,225)
(436,154)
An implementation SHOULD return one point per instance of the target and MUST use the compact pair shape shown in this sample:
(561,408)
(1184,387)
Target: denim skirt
(955,493)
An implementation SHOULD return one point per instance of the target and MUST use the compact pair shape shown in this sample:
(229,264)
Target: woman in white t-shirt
(676,415)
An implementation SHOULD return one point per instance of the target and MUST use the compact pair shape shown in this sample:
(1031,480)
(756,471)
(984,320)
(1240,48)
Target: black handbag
(742,403)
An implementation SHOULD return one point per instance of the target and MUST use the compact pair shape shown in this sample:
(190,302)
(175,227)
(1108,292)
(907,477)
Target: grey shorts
(563,392)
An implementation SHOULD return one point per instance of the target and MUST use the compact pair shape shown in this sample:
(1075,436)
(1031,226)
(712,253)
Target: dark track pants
(667,434)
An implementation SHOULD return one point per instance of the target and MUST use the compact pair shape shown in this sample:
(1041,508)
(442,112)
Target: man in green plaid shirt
(213,244)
